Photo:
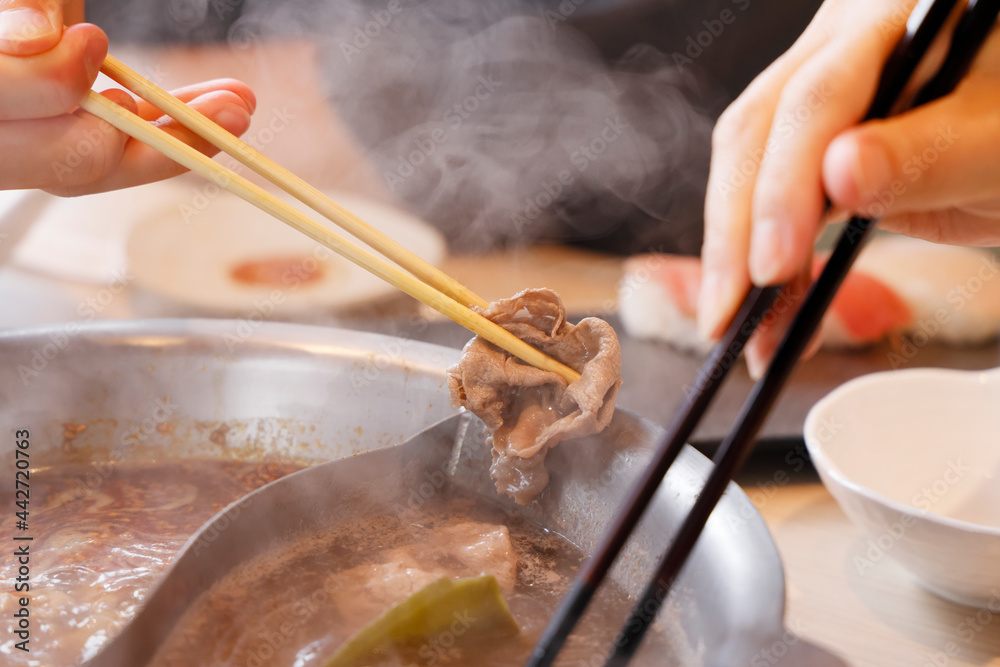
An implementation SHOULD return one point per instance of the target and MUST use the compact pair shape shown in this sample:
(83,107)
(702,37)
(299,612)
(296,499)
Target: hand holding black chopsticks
(926,23)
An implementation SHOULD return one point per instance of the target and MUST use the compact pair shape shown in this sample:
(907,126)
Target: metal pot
(311,394)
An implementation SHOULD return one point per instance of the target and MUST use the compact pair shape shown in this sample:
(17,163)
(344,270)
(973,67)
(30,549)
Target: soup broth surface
(295,606)
(103,536)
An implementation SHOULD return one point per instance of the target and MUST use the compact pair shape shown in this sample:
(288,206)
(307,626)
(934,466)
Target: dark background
(616,29)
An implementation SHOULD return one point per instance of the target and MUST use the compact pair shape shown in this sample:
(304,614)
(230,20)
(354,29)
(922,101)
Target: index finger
(823,98)
(739,143)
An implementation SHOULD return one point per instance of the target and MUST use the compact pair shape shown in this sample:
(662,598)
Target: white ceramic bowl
(913,458)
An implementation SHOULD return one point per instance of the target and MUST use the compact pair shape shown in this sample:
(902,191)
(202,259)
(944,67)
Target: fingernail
(233,116)
(756,362)
(93,56)
(250,100)
(711,303)
(769,246)
(22,25)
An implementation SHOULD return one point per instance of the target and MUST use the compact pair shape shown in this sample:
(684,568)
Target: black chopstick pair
(926,23)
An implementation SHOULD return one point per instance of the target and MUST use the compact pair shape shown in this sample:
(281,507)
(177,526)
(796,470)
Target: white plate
(187,252)
(82,239)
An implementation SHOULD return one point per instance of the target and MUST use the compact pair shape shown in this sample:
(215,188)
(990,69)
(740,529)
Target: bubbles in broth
(102,540)
(296,605)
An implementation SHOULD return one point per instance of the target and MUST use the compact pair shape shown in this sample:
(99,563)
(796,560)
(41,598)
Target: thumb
(29,27)
(938,156)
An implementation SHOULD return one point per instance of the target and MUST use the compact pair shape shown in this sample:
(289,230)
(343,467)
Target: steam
(499,123)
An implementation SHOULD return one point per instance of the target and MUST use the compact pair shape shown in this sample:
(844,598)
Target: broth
(295,606)
(103,535)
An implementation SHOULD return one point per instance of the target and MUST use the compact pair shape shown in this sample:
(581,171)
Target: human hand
(792,139)
(48,142)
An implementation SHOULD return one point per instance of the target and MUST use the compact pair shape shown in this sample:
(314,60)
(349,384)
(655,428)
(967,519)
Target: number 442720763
(22,491)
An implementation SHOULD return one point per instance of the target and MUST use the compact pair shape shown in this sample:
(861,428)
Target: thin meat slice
(469,549)
(466,549)
(529,410)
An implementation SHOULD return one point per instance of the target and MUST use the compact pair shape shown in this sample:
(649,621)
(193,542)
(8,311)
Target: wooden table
(847,599)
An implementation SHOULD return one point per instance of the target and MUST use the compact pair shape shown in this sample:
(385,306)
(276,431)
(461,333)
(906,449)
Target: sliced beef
(529,410)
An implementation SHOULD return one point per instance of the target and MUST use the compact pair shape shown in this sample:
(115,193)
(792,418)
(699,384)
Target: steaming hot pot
(316,394)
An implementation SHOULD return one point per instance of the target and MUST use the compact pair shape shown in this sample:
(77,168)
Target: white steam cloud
(497,121)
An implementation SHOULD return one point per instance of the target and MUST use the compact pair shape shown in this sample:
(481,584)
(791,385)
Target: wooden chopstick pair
(421,280)
(926,23)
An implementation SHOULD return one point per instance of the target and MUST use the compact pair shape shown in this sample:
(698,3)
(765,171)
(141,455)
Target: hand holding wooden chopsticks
(926,23)
(420,280)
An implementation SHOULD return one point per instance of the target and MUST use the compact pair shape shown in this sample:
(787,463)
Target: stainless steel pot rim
(269,338)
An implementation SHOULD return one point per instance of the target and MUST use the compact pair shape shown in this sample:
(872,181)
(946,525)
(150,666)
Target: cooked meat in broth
(530,410)
(299,603)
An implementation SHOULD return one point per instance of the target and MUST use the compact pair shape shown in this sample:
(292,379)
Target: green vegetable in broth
(464,609)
